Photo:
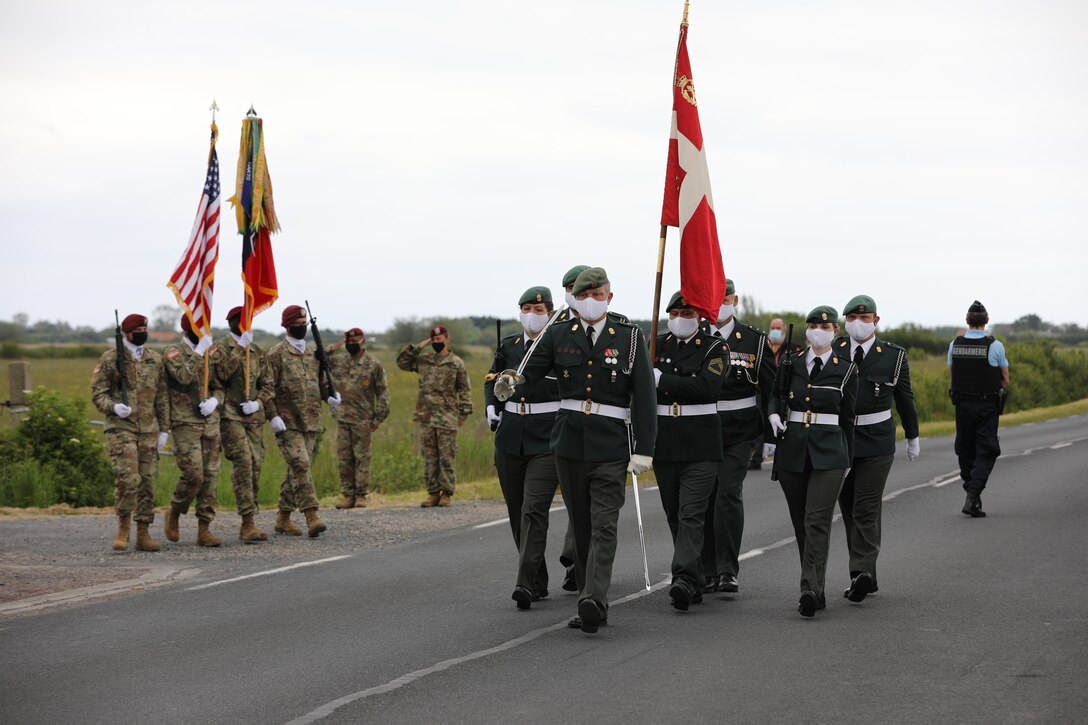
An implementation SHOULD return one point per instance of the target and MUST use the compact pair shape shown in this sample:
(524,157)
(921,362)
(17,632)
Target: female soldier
(816,446)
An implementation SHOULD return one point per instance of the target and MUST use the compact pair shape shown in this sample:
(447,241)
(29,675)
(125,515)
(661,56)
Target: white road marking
(157,576)
(496,522)
(269,572)
(1060,445)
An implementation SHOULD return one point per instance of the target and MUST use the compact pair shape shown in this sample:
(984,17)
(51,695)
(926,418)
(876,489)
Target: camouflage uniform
(242,435)
(365,404)
(444,402)
(295,395)
(132,441)
(196,438)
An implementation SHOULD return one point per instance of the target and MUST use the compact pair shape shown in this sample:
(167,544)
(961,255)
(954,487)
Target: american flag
(194,279)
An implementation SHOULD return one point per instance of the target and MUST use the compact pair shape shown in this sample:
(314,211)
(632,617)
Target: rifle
(119,338)
(498,358)
(782,380)
(321,356)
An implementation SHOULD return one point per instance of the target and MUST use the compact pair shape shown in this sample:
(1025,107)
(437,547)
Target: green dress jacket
(883,378)
(525,433)
(750,372)
(690,375)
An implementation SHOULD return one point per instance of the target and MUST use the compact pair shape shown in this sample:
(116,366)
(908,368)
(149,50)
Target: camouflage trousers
(135,461)
(353,453)
(439,459)
(244,447)
(197,454)
(297,489)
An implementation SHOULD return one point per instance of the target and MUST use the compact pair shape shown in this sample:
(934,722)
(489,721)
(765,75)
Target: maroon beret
(186,324)
(353,332)
(133,321)
(290,314)
(439,330)
(235,312)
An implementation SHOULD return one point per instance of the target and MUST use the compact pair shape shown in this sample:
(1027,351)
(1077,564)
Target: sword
(638,516)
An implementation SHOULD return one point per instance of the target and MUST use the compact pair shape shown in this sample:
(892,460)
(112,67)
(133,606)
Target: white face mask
(776,336)
(725,312)
(590,309)
(532,322)
(683,327)
(819,339)
(859,330)
(571,301)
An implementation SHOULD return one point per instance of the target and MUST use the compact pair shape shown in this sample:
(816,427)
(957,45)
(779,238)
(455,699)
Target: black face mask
(236,327)
(138,338)
(297,331)
(191,337)
(438,346)
(353,348)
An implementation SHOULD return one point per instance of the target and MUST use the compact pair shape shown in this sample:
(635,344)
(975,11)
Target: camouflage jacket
(445,395)
(185,383)
(146,392)
(231,371)
(363,388)
(297,388)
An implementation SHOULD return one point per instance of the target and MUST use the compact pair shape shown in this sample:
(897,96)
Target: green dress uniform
(524,461)
(603,385)
(883,378)
(744,394)
(815,451)
(689,448)
(365,404)
(242,435)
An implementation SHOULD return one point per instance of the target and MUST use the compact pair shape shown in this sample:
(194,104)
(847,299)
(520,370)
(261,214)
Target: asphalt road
(977,620)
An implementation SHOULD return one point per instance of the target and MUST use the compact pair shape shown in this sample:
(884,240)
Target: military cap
(977,306)
(235,312)
(131,322)
(730,289)
(572,274)
(860,305)
(534,295)
(676,302)
(187,324)
(354,332)
(590,278)
(823,313)
(290,314)
(439,330)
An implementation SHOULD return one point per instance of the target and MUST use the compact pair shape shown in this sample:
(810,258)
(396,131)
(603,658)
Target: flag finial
(213,108)
(685,20)
(251,113)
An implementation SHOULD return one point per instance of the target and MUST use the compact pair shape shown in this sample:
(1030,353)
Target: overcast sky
(439,157)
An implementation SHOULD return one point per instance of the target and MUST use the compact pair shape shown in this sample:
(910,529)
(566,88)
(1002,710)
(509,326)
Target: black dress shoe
(592,614)
(697,598)
(540,594)
(711,584)
(523,597)
(860,587)
(808,604)
(973,506)
(681,594)
(570,581)
(728,583)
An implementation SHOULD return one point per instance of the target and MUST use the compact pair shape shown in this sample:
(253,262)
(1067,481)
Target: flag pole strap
(657,293)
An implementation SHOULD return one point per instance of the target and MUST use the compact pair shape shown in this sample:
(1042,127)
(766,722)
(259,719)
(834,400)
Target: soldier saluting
(605,381)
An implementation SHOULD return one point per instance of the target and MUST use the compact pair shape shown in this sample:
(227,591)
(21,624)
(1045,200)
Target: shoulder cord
(634,349)
(898,367)
(759,361)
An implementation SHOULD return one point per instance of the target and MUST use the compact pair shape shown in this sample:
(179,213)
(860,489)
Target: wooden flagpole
(657,293)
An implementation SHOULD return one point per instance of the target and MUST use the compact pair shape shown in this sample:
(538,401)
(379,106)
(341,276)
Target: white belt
(531,408)
(676,410)
(737,404)
(872,418)
(590,408)
(811,418)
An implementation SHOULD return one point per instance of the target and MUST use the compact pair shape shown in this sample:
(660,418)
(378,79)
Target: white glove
(162,439)
(768,450)
(121,410)
(245,338)
(914,449)
(278,426)
(505,384)
(249,407)
(777,426)
(657,377)
(208,406)
(492,416)
(639,464)
(205,342)
(333,400)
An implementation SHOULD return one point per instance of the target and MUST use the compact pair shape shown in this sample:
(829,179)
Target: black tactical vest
(972,373)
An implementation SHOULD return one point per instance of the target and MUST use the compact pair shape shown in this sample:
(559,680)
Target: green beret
(860,304)
(572,274)
(589,278)
(534,295)
(729,288)
(676,302)
(823,313)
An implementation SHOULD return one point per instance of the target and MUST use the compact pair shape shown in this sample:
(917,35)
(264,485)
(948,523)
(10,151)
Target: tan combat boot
(430,502)
(120,542)
(170,527)
(360,502)
(284,525)
(204,537)
(313,524)
(144,542)
(444,500)
(346,503)
(250,534)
